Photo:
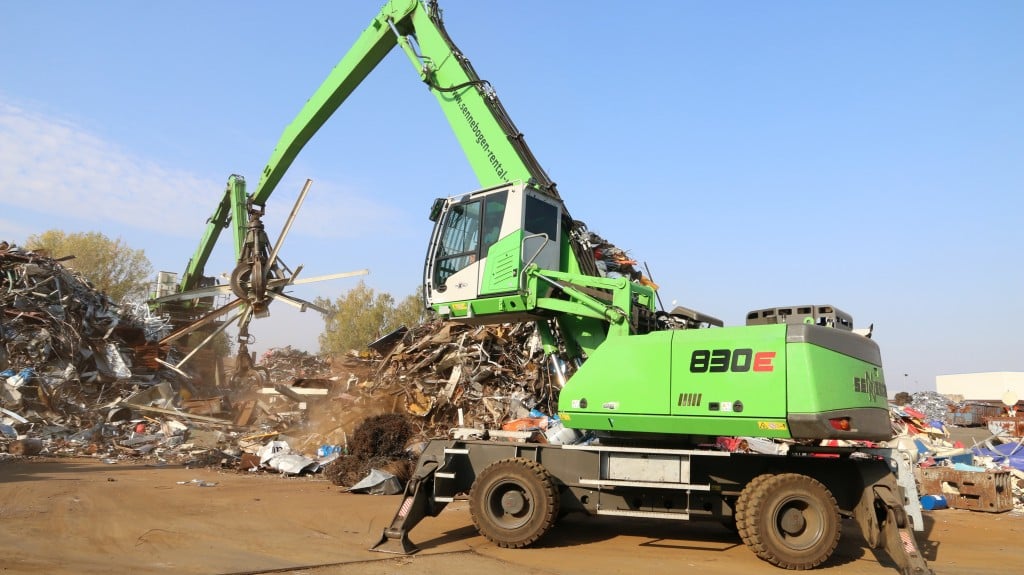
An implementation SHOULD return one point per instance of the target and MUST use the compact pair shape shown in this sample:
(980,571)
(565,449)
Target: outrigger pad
(395,542)
(414,508)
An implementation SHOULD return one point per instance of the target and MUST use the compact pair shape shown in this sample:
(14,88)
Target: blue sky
(753,154)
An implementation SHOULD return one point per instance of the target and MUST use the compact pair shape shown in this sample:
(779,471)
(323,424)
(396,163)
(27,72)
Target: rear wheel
(789,520)
(514,502)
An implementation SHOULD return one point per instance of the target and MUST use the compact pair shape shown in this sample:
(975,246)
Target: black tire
(789,520)
(514,502)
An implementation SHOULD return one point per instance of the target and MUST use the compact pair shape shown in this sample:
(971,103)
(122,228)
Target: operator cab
(482,241)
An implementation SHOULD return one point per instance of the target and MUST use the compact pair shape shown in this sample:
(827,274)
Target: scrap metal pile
(64,346)
(286,363)
(442,376)
(614,260)
(453,375)
(934,406)
(81,374)
(987,475)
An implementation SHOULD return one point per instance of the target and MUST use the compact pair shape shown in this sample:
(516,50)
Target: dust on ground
(83,516)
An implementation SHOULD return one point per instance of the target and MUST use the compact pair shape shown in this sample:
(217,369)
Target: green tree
(410,311)
(111,266)
(362,315)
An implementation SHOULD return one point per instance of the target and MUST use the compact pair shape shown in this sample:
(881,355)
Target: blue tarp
(1011,454)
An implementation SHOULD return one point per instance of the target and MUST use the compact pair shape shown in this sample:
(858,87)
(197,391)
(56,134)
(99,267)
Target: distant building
(990,386)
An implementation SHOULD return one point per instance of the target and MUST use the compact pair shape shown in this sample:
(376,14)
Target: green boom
(626,371)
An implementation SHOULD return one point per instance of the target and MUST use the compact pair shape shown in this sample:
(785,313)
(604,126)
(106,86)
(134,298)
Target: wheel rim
(798,524)
(509,505)
(514,502)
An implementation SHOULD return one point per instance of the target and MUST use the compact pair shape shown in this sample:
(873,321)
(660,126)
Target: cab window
(541,218)
(494,214)
(460,240)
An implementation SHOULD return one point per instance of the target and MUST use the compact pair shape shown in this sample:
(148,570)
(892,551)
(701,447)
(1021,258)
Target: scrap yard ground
(81,516)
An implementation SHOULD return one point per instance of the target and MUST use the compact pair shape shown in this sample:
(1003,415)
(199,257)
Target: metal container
(975,490)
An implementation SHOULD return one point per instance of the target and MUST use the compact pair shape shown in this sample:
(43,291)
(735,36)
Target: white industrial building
(990,386)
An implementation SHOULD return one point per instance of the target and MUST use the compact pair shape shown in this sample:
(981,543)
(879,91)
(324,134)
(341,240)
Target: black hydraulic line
(578,240)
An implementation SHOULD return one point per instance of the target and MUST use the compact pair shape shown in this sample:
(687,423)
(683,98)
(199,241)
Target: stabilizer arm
(884,523)
(417,503)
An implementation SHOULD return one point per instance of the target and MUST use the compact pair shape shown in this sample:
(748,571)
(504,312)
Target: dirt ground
(85,516)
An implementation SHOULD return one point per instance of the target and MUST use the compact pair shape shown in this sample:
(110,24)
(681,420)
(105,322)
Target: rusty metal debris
(84,375)
(981,477)
(81,374)
(453,375)
(379,448)
(66,346)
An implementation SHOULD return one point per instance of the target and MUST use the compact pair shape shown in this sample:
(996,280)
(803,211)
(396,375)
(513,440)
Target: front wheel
(789,520)
(514,502)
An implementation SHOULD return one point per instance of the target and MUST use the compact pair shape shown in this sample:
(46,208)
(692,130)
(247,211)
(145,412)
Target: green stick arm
(494,147)
(373,44)
(231,205)
(496,150)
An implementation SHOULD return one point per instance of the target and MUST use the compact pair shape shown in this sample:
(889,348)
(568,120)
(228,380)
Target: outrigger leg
(417,503)
(884,523)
